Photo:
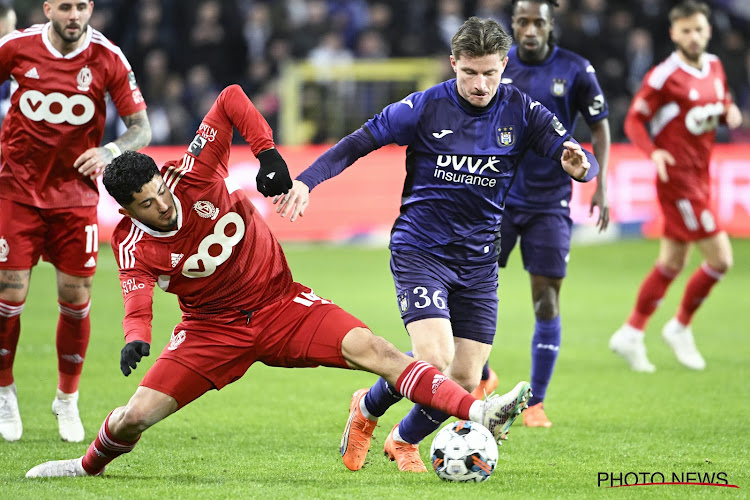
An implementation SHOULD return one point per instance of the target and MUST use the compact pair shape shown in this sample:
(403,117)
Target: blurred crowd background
(185,51)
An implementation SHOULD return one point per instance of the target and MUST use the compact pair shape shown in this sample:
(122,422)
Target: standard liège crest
(84,79)
(177,339)
(403,301)
(559,87)
(206,209)
(4,250)
(505,136)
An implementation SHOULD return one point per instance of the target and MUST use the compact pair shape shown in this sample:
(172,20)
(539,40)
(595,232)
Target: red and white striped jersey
(222,260)
(683,106)
(57,111)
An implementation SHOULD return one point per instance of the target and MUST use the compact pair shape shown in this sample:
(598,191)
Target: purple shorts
(428,287)
(545,241)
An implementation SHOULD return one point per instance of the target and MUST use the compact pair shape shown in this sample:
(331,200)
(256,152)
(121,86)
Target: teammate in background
(683,99)
(537,207)
(196,234)
(7,25)
(465,138)
(62,72)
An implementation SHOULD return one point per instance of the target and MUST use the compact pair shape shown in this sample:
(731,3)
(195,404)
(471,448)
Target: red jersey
(222,260)
(57,111)
(683,106)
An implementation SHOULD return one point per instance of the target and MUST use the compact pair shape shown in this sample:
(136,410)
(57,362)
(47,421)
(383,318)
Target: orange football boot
(534,416)
(355,442)
(406,455)
(486,386)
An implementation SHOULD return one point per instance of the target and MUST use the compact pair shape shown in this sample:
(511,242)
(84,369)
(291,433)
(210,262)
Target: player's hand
(574,160)
(294,202)
(273,177)
(131,355)
(92,162)
(733,116)
(600,200)
(662,158)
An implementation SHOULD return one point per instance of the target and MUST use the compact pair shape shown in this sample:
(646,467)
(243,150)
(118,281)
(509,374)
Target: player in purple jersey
(536,209)
(465,140)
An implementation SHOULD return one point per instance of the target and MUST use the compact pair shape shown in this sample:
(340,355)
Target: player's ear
(125,212)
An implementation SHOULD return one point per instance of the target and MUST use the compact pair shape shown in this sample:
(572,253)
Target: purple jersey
(460,163)
(566,84)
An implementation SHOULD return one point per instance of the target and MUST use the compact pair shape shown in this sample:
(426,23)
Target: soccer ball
(464,452)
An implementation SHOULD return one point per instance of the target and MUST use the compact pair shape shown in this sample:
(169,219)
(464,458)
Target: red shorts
(300,330)
(688,220)
(66,237)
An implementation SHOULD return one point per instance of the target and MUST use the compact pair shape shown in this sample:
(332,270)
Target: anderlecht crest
(505,136)
(403,301)
(559,87)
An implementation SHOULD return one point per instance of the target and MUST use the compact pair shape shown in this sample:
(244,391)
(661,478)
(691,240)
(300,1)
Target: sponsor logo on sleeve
(558,126)
(131,81)
(597,105)
(197,145)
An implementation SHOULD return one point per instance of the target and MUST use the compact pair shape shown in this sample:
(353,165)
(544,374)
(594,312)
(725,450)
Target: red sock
(104,449)
(73,331)
(424,384)
(696,291)
(650,294)
(10,329)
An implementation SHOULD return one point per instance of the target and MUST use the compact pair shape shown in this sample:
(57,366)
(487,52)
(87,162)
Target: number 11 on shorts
(92,238)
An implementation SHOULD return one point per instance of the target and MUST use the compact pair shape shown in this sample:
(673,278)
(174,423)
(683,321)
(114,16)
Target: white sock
(476,411)
(363,409)
(397,436)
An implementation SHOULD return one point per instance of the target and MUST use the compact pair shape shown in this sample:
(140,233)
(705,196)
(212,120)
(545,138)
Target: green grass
(275,433)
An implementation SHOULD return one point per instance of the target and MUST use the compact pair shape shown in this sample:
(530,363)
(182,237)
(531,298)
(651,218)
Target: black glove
(273,177)
(131,354)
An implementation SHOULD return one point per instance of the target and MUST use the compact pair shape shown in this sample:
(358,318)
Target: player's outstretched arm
(138,135)
(294,202)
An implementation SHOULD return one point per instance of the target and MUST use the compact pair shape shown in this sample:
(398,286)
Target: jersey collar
(57,53)
(698,73)
(162,234)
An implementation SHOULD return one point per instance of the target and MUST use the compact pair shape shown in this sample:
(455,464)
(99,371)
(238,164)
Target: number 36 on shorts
(421,297)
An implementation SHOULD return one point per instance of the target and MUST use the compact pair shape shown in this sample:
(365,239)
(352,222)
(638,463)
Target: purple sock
(486,371)
(382,396)
(545,344)
(420,422)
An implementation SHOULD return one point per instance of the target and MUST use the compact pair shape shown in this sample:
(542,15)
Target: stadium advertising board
(363,201)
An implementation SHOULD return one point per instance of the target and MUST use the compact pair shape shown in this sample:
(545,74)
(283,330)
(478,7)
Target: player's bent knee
(363,350)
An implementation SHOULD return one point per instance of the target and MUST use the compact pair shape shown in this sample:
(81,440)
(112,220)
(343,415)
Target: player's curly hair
(480,37)
(127,174)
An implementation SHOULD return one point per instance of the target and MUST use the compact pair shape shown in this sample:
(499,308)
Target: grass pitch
(275,433)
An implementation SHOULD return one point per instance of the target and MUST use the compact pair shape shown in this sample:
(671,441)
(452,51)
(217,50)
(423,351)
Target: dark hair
(127,174)
(480,37)
(551,39)
(688,9)
(552,3)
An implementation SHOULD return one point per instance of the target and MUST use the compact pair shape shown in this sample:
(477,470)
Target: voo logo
(702,119)
(56,107)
